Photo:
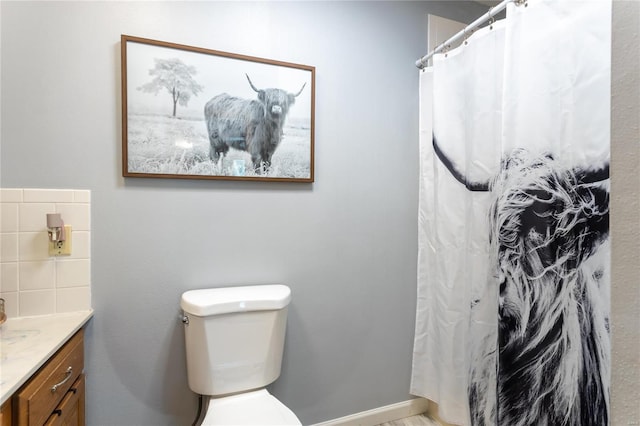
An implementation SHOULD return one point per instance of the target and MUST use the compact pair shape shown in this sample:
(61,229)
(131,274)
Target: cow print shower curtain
(512,324)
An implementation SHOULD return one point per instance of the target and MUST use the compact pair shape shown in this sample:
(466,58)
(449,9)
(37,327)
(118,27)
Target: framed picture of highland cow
(195,113)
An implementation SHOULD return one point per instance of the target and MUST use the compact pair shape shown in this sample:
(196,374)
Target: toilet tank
(234,337)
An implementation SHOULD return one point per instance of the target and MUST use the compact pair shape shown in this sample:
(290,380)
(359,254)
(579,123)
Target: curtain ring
(467,35)
(491,18)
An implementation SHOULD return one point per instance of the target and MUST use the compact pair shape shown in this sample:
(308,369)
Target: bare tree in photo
(176,78)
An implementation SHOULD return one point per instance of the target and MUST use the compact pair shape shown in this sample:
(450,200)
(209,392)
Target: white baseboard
(379,415)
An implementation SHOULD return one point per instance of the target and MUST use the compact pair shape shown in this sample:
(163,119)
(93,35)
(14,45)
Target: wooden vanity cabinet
(70,412)
(5,414)
(55,394)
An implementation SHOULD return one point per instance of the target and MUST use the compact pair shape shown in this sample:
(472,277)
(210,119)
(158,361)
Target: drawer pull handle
(58,412)
(67,374)
(74,390)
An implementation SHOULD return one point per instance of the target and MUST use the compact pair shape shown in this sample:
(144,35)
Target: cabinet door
(5,414)
(70,412)
(36,400)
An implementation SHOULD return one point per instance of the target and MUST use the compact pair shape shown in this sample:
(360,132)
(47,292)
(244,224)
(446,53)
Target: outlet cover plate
(61,248)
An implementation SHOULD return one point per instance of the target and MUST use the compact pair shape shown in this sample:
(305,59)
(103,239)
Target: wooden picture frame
(195,113)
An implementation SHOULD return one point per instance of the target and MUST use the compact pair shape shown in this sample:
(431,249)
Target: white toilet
(234,340)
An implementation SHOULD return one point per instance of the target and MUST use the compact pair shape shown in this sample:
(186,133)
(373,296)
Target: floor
(420,420)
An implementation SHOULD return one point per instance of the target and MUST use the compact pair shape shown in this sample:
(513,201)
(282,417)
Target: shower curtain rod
(422,62)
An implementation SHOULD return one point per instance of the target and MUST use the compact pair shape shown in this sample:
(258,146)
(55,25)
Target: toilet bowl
(234,339)
(249,408)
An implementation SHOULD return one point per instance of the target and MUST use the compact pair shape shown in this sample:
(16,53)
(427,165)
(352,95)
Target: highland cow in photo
(251,125)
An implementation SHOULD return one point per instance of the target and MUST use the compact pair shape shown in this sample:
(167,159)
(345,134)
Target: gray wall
(346,244)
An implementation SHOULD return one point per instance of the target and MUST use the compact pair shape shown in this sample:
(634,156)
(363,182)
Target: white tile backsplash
(8,217)
(33,216)
(10,304)
(33,246)
(77,215)
(73,299)
(32,282)
(36,302)
(80,245)
(48,195)
(8,277)
(73,273)
(81,196)
(39,275)
(8,247)
(10,195)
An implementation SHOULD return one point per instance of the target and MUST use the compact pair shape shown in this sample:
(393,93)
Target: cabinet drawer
(70,412)
(36,401)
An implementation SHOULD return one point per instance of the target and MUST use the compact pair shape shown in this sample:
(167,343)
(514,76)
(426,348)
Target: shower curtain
(513,258)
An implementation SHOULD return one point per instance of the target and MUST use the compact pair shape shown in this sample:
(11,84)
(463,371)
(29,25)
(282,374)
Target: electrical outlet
(61,248)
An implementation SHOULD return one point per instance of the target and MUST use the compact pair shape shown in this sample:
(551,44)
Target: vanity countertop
(26,343)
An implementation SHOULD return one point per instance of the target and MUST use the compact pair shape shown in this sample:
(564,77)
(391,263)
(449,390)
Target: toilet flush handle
(185,320)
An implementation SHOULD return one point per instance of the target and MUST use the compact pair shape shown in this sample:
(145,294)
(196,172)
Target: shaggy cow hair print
(547,363)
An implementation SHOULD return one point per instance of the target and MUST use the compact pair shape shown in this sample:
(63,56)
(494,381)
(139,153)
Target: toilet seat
(249,408)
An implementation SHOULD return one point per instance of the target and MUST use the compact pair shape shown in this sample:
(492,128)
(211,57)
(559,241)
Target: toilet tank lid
(224,300)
